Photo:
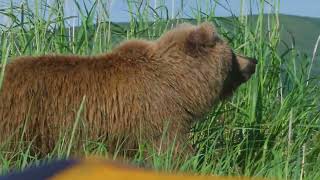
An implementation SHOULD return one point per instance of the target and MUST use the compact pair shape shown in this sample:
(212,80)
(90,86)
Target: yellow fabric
(98,170)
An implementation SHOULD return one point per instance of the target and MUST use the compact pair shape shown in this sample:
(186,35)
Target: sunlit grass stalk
(76,125)
(5,51)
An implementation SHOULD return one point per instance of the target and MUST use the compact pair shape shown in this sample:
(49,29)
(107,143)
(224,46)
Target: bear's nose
(251,68)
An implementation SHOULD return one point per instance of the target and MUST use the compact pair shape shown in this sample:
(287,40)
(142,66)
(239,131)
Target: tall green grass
(270,127)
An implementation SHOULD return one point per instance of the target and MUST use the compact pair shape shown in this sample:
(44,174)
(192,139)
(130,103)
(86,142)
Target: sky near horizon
(119,8)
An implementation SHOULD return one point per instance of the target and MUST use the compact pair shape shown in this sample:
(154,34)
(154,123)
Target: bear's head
(201,47)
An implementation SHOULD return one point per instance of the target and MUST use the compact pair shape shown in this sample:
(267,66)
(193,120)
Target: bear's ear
(202,36)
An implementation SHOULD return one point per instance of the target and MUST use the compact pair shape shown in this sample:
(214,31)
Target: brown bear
(136,92)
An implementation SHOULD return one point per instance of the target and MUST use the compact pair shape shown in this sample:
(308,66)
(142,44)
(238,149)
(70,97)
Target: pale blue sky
(119,7)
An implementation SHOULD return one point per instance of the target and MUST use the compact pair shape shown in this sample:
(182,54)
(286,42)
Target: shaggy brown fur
(131,93)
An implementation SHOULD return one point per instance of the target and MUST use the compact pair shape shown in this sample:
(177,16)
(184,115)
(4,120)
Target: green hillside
(298,32)
(304,30)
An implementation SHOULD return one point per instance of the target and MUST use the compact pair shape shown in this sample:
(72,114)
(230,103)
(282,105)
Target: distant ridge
(305,31)
(302,31)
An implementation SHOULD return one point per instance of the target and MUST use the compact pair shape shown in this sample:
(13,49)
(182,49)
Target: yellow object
(98,170)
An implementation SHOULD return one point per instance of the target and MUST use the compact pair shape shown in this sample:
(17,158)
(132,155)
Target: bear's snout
(247,66)
(250,68)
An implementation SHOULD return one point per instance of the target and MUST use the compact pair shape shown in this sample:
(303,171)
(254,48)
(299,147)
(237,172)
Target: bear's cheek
(227,91)
(231,86)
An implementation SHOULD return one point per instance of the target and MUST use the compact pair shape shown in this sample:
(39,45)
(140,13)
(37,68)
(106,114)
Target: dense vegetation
(271,127)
